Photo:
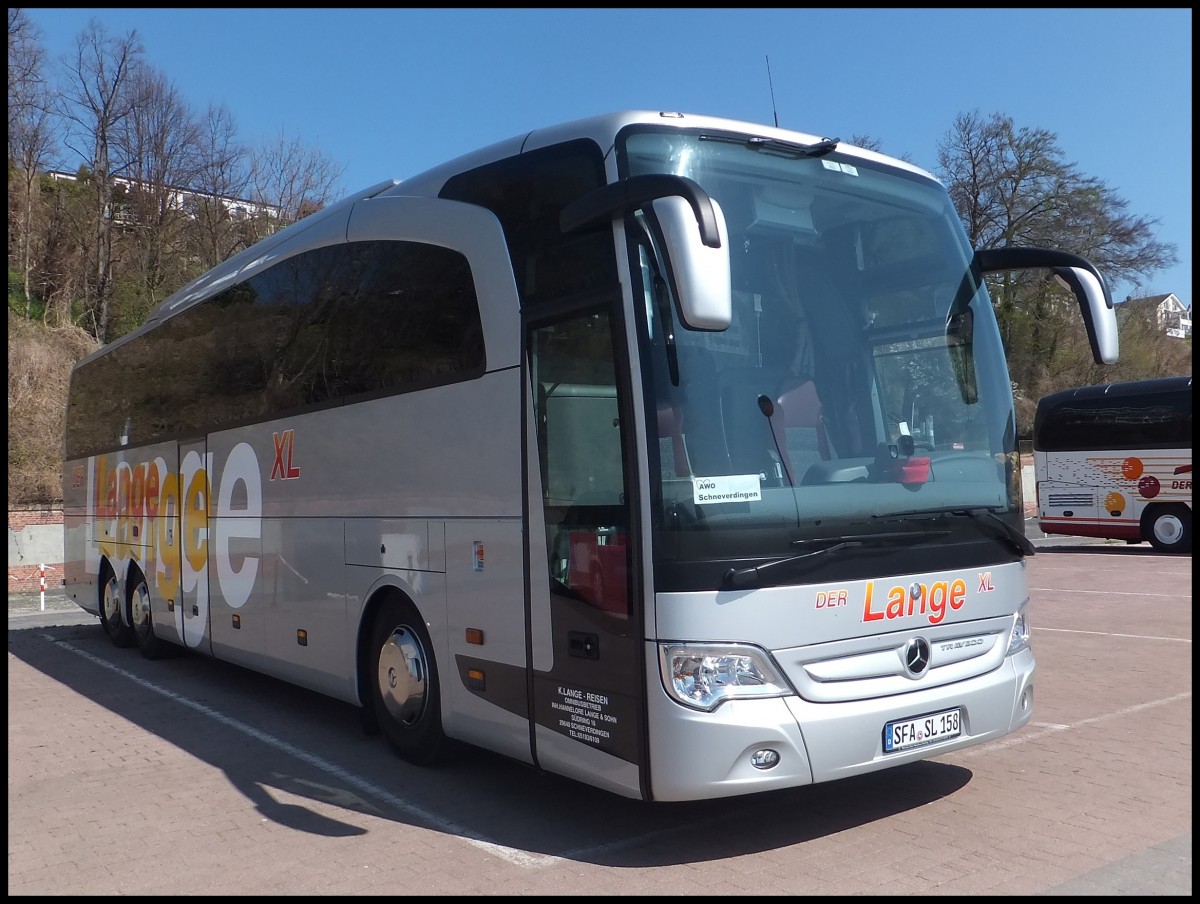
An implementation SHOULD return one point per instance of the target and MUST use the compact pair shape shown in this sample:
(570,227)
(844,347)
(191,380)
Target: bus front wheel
(403,683)
(1168,527)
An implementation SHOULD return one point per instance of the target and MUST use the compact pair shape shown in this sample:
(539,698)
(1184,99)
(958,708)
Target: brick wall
(24,574)
(21,518)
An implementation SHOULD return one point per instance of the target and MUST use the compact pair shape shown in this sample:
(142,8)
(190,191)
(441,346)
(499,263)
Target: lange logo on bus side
(175,513)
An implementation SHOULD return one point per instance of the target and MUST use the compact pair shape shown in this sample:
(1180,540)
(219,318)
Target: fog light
(1026,699)
(764,759)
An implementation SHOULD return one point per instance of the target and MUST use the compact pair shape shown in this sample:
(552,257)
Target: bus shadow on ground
(301,760)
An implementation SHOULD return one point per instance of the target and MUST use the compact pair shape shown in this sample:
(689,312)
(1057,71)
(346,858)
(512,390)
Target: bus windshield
(862,379)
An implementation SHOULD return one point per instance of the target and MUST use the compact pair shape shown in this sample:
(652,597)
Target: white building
(238,208)
(1172,316)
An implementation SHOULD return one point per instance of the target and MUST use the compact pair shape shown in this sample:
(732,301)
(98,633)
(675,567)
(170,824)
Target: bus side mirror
(1092,296)
(693,228)
(1075,273)
(701,272)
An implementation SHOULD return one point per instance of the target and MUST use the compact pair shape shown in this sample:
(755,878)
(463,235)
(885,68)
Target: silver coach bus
(672,454)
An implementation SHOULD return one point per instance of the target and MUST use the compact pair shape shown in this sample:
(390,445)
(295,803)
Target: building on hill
(1167,311)
(182,199)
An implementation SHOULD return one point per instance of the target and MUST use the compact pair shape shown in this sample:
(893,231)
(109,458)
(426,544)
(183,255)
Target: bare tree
(30,139)
(26,65)
(222,177)
(865,141)
(1012,186)
(294,178)
(102,92)
(159,139)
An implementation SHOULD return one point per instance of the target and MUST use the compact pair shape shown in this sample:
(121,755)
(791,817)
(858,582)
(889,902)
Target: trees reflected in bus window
(343,322)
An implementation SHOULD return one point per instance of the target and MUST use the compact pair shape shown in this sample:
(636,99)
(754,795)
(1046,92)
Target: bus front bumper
(697,755)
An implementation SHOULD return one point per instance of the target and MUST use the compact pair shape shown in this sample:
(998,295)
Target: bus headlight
(1018,639)
(703,676)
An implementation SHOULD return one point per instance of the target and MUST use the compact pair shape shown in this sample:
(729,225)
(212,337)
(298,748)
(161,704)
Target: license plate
(905,734)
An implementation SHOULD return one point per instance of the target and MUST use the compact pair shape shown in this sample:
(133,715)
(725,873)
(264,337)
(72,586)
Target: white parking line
(1113,634)
(1173,596)
(1042,729)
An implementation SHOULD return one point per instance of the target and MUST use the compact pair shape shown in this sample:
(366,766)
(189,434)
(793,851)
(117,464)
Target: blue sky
(389,93)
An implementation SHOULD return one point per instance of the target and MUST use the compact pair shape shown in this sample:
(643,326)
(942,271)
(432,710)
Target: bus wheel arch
(113,610)
(398,676)
(1168,527)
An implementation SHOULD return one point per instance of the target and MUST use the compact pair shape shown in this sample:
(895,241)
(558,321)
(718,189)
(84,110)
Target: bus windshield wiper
(982,516)
(778,147)
(736,578)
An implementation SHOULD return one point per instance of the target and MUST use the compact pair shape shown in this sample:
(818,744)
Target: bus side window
(592,555)
(584,482)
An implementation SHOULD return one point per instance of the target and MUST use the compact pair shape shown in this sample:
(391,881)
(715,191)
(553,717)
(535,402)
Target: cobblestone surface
(187,775)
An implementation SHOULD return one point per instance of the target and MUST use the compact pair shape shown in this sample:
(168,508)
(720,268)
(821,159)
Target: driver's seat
(799,430)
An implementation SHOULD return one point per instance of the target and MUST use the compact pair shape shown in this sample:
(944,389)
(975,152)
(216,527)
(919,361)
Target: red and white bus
(1115,461)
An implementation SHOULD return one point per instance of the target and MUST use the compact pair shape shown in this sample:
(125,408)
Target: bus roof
(1117,390)
(602,128)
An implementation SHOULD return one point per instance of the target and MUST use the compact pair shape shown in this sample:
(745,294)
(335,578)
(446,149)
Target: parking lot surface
(189,776)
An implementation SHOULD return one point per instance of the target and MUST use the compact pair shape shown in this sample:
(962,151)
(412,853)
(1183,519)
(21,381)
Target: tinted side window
(328,326)
(527,194)
(413,322)
(96,405)
(1129,422)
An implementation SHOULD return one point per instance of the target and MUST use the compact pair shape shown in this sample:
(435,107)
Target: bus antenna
(772,85)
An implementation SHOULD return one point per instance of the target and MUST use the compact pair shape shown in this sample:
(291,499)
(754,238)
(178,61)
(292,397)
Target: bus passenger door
(585,623)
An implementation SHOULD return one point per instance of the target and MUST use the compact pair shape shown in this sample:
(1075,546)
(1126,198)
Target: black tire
(1168,527)
(113,611)
(402,684)
(149,644)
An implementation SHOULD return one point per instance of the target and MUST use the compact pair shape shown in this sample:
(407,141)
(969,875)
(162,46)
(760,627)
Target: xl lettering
(285,446)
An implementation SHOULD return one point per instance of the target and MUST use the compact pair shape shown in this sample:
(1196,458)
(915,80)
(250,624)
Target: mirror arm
(635,192)
(1076,273)
(998,260)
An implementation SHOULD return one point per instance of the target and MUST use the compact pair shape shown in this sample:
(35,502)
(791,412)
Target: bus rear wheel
(112,610)
(149,643)
(403,684)
(1168,527)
